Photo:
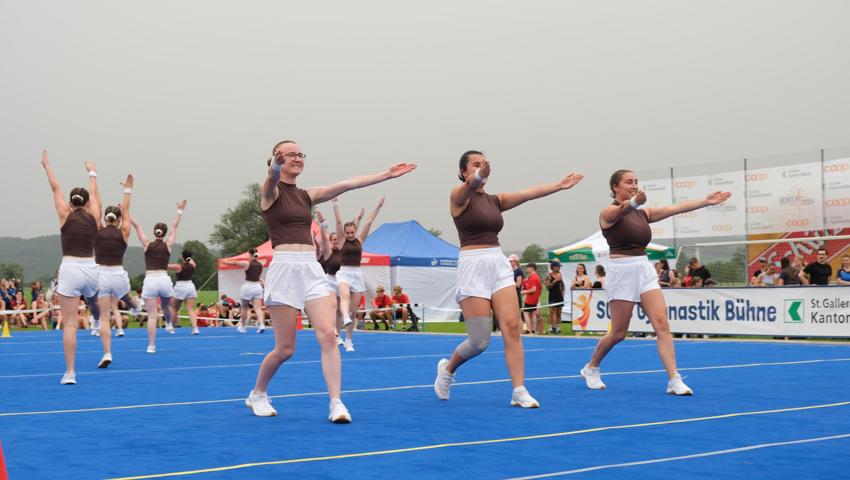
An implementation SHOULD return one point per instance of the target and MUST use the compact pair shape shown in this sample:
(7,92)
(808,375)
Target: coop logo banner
(786,199)
(727,219)
(789,311)
(836,192)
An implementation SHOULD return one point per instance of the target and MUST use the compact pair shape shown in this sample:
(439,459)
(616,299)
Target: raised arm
(172,235)
(143,239)
(268,192)
(125,205)
(323,194)
(460,194)
(359,218)
(365,231)
(95,206)
(327,248)
(515,199)
(62,207)
(340,232)
(657,214)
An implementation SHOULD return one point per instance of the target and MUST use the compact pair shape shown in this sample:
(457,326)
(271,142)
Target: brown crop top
(78,234)
(332,263)
(481,222)
(289,219)
(254,270)
(351,253)
(157,255)
(185,273)
(630,235)
(109,247)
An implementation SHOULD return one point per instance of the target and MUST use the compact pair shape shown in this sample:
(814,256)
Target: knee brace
(478,337)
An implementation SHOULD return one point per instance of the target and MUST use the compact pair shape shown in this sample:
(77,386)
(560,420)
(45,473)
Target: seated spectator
(710,283)
(55,313)
(381,301)
(819,271)
(581,279)
(664,273)
(36,287)
(698,270)
(42,317)
(754,280)
(201,312)
(125,318)
(768,277)
(19,304)
(83,315)
(400,302)
(214,313)
(789,273)
(7,292)
(843,275)
(696,282)
(600,277)
(675,282)
(360,315)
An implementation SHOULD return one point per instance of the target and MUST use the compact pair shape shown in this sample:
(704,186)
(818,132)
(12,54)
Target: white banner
(785,199)
(771,311)
(726,219)
(659,193)
(836,192)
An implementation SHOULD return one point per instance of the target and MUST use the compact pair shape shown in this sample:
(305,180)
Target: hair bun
(158,232)
(111,217)
(78,198)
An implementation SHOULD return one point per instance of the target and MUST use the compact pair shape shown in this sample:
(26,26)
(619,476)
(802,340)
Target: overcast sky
(190,96)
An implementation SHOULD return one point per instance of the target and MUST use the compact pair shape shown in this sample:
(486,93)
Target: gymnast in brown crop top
(630,235)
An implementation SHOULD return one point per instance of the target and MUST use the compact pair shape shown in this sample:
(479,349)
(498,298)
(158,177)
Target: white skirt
(184,289)
(483,272)
(77,277)
(353,276)
(332,284)
(626,278)
(157,285)
(112,281)
(250,291)
(293,279)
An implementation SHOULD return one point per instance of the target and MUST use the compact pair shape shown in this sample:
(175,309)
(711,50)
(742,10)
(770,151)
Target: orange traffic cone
(3,474)
(6,333)
(299,321)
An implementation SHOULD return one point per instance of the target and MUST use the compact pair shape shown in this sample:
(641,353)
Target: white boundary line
(403,387)
(685,457)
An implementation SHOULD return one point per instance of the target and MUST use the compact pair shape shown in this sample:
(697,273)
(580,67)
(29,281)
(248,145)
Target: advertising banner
(785,199)
(727,219)
(772,311)
(836,192)
(659,192)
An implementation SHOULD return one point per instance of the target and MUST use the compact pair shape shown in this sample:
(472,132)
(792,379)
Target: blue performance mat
(760,410)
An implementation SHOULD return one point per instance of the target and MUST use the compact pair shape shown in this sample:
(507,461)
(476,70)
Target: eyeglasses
(293,155)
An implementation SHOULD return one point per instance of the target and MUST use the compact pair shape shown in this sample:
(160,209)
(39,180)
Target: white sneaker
(120,332)
(521,398)
(241,329)
(339,341)
(676,386)
(195,331)
(69,378)
(261,328)
(151,349)
(346,320)
(95,332)
(105,361)
(169,328)
(338,412)
(135,310)
(592,377)
(349,345)
(444,381)
(260,404)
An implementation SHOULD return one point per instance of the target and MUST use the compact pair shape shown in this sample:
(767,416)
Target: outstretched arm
(94,206)
(327,248)
(62,207)
(460,194)
(175,267)
(143,239)
(323,194)
(365,232)
(515,199)
(340,232)
(125,206)
(268,192)
(657,214)
(235,263)
(172,235)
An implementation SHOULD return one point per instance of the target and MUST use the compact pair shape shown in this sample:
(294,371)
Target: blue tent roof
(409,244)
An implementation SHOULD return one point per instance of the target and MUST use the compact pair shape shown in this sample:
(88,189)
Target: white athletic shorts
(112,281)
(157,284)
(294,278)
(77,276)
(483,272)
(353,276)
(250,291)
(626,278)
(332,284)
(184,289)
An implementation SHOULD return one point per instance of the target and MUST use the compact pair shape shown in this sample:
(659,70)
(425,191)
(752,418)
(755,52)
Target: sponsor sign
(785,199)
(727,219)
(836,192)
(771,311)
(659,192)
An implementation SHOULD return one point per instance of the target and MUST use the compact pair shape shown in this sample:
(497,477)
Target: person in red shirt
(400,302)
(381,300)
(531,288)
